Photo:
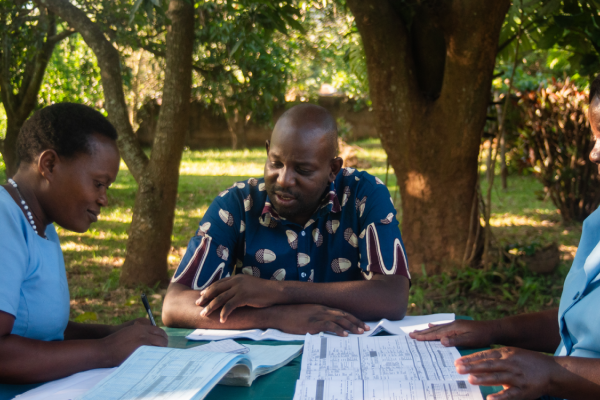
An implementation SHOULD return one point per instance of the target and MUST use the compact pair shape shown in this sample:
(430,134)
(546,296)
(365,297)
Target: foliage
(330,52)
(556,138)
(242,69)
(72,75)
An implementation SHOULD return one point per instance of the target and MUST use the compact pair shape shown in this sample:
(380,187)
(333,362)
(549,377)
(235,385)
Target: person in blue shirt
(68,159)
(571,332)
(310,247)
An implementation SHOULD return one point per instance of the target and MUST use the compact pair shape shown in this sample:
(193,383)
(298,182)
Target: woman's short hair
(64,128)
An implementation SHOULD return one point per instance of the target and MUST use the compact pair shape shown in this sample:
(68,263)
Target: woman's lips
(93,217)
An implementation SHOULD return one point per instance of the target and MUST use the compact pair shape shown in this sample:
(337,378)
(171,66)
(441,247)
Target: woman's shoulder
(8,208)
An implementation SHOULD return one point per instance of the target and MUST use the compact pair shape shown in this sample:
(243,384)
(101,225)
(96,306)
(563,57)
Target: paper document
(386,390)
(223,346)
(68,388)
(383,357)
(402,327)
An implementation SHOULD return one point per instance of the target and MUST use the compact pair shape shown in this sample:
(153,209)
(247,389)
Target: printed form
(385,367)
(386,390)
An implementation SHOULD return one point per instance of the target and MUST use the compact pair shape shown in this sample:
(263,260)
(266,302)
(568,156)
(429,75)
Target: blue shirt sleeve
(211,254)
(382,251)
(15,260)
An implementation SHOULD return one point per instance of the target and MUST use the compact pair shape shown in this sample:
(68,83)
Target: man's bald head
(309,122)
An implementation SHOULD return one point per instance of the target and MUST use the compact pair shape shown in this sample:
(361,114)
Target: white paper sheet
(68,388)
(171,374)
(402,327)
(386,390)
(383,357)
(223,346)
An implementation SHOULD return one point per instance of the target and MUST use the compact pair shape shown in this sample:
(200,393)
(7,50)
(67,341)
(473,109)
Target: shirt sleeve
(15,259)
(381,250)
(210,254)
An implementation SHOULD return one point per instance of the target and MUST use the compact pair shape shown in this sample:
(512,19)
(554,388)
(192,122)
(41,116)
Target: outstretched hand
(524,374)
(462,333)
(238,291)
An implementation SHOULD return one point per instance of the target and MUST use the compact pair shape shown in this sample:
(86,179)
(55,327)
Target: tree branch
(112,83)
(59,37)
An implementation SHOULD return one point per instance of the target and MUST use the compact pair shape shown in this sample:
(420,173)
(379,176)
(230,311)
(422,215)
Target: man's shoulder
(249,195)
(360,181)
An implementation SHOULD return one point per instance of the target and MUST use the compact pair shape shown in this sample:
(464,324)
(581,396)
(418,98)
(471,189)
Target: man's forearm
(381,297)
(180,311)
(535,331)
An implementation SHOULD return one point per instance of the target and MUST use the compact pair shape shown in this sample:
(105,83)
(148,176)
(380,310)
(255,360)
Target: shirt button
(303,233)
(576,296)
(303,274)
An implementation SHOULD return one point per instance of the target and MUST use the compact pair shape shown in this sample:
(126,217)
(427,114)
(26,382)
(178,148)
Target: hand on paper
(125,341)
(311,318)
(237,291)
(459,333)
(524,374)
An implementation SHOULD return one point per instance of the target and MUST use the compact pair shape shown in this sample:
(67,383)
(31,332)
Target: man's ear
(267,145)
(336,166)
(47,163)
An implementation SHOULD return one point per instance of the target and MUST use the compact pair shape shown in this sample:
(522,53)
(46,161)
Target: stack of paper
(385,367)
(402,327)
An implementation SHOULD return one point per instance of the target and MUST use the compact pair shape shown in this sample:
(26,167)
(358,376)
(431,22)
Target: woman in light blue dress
(68,159)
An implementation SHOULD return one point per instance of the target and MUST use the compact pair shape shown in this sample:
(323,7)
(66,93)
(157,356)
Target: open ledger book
(168,374)
(383,368)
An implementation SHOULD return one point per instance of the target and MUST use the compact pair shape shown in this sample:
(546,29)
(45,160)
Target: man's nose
(286,177)
(595,153)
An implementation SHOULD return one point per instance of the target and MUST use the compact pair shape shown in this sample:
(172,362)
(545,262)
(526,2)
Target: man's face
(594,117)
(298,170)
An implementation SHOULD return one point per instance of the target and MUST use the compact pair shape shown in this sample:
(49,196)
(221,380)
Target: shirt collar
(329,204)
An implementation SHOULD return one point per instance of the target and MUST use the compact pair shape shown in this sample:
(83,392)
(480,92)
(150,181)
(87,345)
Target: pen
(147,306)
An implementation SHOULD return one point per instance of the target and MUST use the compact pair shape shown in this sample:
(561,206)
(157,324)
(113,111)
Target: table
(278,385)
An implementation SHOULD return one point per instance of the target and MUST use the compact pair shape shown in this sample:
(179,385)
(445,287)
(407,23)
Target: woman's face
(594,117)
(77,187)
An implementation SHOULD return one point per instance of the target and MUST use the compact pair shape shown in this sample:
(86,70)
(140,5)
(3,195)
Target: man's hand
(139,321)
(311,318)
(524,374)
(125,341)
(237,291)
(460,333)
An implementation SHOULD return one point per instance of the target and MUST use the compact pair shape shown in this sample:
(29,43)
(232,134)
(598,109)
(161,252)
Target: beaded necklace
(25,206)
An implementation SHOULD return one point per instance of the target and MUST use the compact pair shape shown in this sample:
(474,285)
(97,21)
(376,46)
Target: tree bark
(150,232)
(149,239)
(431,132)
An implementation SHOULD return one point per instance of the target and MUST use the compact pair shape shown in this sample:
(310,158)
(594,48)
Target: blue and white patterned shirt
(344,240)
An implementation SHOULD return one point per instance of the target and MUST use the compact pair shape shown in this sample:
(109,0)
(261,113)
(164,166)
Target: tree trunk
(503,169)
(430,89)
(9,152)
(150,232)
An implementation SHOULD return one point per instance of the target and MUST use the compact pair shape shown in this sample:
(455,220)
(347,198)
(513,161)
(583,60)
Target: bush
(555,138)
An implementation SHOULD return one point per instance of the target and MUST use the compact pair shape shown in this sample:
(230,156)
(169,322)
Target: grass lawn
(93,259)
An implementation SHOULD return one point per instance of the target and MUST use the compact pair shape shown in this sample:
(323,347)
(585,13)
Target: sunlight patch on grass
(533,219)
(74,246)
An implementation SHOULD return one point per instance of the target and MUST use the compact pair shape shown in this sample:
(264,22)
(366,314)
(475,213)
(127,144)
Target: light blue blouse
(33,280)
(579,311)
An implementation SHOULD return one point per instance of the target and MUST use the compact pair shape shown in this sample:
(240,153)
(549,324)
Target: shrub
(556,140)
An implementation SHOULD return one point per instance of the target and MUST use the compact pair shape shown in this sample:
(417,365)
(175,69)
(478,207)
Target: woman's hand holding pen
(129,336)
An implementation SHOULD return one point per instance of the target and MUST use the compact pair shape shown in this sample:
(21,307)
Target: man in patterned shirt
(311,247)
